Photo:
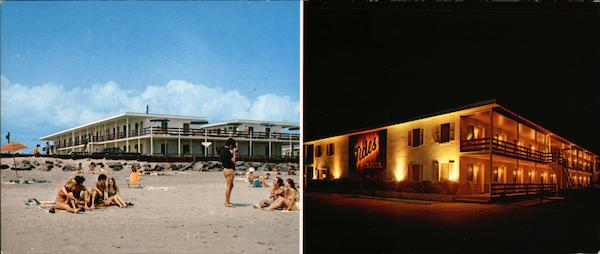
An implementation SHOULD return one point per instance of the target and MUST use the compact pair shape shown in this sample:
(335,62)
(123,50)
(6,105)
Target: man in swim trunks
(227,156)
(98,191)
(80,192)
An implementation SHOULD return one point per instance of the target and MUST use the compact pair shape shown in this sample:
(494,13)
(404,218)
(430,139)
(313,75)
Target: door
(186,128)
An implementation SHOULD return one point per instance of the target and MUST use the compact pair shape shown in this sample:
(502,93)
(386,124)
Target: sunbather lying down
(34,202)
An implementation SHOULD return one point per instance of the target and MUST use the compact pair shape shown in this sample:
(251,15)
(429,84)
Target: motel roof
(493,103)
(123,115)
(245,121)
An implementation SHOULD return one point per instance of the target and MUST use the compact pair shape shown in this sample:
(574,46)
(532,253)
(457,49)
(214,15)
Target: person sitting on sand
(79,169)
(288,201)
(81,194)
(135,178)
(98,191)
(111,192)
(251,176)
(276,192)
(65,199)
(92,168)
(263,179)
(102,170)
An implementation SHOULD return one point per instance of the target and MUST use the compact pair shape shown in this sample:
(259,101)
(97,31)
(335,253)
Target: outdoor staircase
(565,170)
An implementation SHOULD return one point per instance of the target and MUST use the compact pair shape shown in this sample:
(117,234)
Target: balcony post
(251,134)
(138,146)
(151,142)
(205,140)
(491,147)
(291,148)
(179,142)
(115,133)
(127,134)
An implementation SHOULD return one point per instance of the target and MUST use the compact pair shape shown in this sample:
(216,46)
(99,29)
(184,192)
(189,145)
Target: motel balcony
(183,132)
(507,149)
(515,151)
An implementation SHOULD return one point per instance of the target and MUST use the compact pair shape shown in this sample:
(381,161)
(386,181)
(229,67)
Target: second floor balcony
(512,150)
(183,132)
(506,149)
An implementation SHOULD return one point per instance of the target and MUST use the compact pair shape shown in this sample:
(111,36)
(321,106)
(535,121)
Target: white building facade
(175,135)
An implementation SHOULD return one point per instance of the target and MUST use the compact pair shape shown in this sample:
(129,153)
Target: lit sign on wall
(367,151)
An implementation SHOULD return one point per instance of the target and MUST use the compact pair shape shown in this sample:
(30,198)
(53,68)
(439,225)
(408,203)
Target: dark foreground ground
(345,224)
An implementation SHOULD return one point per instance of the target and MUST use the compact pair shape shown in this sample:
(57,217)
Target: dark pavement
(344,224)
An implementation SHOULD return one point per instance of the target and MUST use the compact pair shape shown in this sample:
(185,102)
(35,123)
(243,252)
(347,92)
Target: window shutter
(421,136)
(436,133)
(410,138)
(451,131)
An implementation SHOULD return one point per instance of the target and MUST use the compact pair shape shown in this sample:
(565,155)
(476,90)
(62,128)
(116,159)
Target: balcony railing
(507,149)
(183,132)
(516,188)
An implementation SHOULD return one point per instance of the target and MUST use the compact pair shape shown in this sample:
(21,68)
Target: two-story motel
(159,134)
(485,145)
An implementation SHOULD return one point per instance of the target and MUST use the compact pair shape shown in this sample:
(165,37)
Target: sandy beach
(186,217)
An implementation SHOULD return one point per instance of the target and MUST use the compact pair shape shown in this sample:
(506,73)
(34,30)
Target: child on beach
(92,168)
(135,178)
(79,169)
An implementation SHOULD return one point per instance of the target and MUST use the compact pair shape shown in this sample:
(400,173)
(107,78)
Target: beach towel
(152,188)
(44,205)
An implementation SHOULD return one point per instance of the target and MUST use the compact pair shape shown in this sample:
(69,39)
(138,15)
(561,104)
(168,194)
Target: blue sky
(67,63)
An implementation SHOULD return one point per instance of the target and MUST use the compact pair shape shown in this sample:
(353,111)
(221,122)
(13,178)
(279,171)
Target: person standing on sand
(227,156)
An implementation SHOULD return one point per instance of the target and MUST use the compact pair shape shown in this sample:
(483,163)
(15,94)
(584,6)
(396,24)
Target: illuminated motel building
(474,145)
(177,135)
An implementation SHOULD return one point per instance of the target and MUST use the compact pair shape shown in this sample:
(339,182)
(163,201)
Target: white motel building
(484,145)
(175,135)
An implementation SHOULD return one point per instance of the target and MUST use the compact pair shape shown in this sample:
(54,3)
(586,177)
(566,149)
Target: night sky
(373,64)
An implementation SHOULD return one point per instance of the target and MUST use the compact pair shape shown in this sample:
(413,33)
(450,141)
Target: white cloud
(38,107)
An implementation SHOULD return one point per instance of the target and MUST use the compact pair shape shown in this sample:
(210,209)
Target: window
(309,153)
(435,171)
(470,132)
(495,175)
(186,149)
(415,137)
(445,172)
(319,151)
(416,172)
(470,173)
(444,133)
(186,128)
(268,131)
(163,148)
(330,149)
(251,130)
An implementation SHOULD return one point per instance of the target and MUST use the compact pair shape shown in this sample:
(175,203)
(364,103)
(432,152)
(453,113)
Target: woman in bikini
(288,201)
(112,194)
(65,199)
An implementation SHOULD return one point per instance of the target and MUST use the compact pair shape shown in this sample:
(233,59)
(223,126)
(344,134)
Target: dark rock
(49,162)
(25,162)
(239,163)
(4,166)
(35,163)
(69,168)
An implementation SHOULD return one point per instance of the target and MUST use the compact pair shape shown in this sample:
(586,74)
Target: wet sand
(187,218)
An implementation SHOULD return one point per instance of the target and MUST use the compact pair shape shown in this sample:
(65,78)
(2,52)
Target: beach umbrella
(13,147)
